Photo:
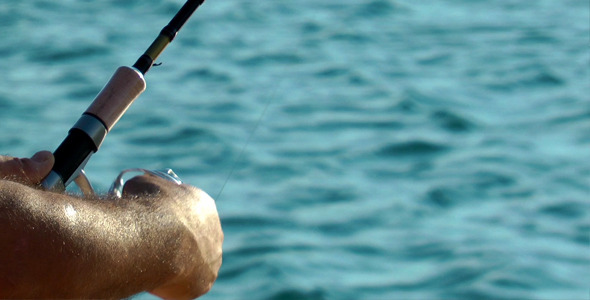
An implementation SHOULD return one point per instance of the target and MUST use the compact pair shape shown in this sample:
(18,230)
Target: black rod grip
(72,153)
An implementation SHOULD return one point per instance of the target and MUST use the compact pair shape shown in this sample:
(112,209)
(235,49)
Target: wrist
(198,254)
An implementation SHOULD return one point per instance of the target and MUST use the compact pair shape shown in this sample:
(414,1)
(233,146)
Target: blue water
(382,149)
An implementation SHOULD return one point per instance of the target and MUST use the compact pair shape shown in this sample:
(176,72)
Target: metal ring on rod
(116,189)
(84,184)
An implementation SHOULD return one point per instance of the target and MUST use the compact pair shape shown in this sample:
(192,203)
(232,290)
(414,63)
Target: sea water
(380,149)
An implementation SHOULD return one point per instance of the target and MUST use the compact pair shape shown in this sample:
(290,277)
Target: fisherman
(160,237)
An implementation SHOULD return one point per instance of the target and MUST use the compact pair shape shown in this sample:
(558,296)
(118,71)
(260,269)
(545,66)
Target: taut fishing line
(249,139)
(256,125)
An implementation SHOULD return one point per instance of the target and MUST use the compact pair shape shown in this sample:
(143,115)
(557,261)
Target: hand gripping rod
(88,133)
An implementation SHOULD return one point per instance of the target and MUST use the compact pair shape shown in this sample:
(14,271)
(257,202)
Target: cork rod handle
(117,95)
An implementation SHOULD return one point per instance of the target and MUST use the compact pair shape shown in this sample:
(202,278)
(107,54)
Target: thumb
(34,169)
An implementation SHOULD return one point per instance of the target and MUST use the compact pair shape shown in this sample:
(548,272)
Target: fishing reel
(116,190)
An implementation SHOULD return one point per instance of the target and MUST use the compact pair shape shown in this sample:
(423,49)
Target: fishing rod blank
(88,133)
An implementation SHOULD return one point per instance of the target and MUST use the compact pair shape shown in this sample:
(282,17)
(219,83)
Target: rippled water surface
(382,149)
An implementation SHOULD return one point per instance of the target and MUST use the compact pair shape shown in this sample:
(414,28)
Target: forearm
(60,246)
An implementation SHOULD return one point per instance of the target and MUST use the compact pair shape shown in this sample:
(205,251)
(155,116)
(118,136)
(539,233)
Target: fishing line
(249,139)
(256,125)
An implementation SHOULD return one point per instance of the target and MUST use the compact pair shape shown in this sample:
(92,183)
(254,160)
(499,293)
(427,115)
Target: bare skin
(161,237)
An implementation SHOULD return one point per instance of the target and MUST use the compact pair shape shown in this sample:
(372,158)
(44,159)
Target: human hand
(29,171)
(198,258)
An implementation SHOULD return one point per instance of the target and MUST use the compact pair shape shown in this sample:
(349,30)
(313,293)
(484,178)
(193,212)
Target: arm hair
(59,246)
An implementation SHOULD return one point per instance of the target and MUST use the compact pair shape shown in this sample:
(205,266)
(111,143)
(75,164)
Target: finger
(39,166)
(27,170)
(9,167)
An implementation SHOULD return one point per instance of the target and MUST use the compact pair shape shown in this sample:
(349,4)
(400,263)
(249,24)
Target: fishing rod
(126,84)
